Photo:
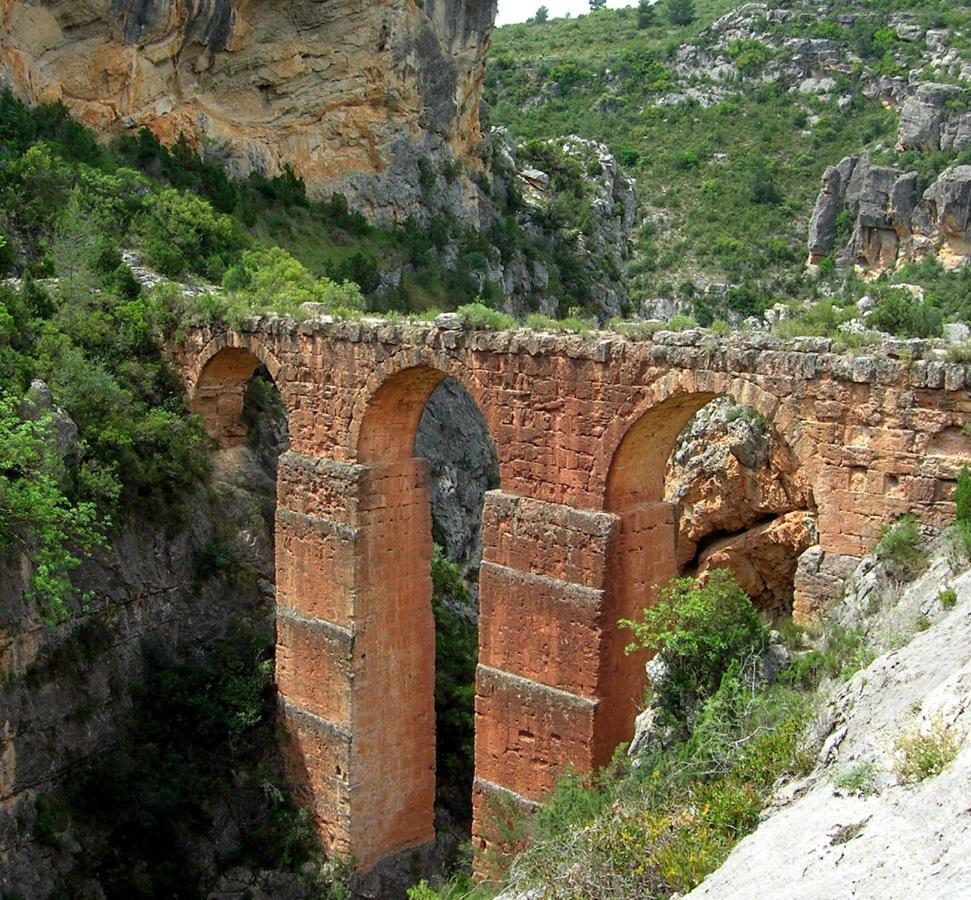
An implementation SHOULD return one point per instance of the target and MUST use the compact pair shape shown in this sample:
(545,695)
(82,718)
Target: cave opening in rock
(743,503)
(424,430)
(699,481)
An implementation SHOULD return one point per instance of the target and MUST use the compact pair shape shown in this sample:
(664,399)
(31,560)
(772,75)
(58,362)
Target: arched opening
(698,482)
(432,459)
(243,412)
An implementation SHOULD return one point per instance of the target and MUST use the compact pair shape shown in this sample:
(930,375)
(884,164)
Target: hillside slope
(863,824)
(728,123)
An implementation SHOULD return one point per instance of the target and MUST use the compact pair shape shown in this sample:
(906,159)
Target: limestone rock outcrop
(856,826)
(931,118)
(743,502)
(890,221)
(353,95)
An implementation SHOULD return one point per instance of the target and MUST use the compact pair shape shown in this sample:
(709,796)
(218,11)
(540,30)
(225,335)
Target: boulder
(38,403)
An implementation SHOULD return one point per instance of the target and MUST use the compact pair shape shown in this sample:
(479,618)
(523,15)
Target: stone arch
(395,720)
(643,552)
(217,385)
(635,455)
(385,419)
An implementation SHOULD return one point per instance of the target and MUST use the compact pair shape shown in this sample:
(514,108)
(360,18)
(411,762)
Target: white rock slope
(900,840)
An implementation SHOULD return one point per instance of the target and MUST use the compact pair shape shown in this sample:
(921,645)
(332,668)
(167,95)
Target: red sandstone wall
(575,539)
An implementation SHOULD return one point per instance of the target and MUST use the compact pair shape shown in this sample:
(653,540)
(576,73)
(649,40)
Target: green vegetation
(198,748)
(697,631)
(948,598)
(38,515)
(726,185)
(923,754)
(662,825)
(858,779)
(456,654)
(840,653)
(900,545)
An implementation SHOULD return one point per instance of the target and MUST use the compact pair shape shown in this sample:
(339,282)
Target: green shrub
(38,514)
(858,779)
(900,545)
(481,317)
(924,754)
(900,314)
(635,331)
(843,651)
(698,630)
(680,322)
(271,280)
(962,498)
(948,598)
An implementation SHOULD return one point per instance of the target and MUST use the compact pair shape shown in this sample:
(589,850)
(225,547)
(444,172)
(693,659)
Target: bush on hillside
(697,630)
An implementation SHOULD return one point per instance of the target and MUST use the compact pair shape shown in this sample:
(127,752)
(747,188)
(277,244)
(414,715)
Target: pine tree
(681,12)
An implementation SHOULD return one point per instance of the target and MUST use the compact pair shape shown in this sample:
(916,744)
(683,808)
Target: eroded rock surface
(455,440)
(743,503)
(352,95)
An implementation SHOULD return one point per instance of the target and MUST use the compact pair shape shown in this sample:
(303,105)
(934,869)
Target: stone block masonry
(576,537)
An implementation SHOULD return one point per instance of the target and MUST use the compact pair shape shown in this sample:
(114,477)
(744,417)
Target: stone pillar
(356,651)
(643,556)
(541,638)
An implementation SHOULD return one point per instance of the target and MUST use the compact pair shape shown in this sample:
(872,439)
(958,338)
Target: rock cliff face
(890,221)
(743,503)
(352,94)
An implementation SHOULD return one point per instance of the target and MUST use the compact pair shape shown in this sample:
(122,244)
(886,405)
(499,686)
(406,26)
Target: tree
(597,4)
(542,15)
(681,12)
(646,14)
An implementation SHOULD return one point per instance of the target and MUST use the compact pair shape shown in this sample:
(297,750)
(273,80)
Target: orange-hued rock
(764,558)
(350,94)
(729,471)
(578,535)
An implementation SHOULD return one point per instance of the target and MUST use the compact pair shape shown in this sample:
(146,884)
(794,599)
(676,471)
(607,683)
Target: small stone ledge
(498,679)
(490,787)
(336,633)
(333,468)
(312,722)
(317,524)
(592,522)
(570,591)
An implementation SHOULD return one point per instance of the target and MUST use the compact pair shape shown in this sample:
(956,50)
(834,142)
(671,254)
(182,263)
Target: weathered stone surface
(353,96)
(923,116)
(891,222)
(822,224)
(730,474)
(891,839)
(763,559)
(578,535)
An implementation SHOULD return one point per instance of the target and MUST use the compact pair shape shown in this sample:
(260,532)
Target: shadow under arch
(643,552)
(395,722)
(218,387)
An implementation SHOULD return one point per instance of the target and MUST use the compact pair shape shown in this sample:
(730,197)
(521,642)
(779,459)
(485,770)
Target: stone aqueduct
(574,538)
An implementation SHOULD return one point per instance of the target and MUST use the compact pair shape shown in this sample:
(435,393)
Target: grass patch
(859,779)
(924,754)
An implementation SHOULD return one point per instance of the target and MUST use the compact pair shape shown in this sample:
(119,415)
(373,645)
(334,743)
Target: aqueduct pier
(574,539)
